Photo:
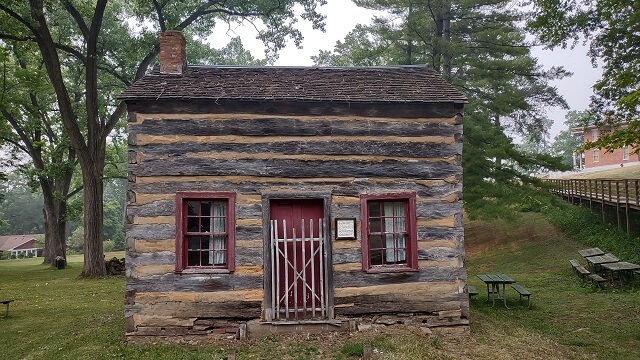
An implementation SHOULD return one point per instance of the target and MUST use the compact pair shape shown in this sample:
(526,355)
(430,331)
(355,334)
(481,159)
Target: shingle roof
(10,242)
(353,84)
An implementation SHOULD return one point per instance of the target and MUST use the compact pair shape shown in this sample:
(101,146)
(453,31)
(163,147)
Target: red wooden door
(298,262)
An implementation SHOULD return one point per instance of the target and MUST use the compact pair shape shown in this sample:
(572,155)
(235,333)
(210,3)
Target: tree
(95,40)
(479,47)
(612,29)
(566,143)
(21,207)
(30,125)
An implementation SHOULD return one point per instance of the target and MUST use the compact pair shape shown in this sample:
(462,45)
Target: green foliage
(75,243)
(113,226)
(566,142)
(480,48)
(109,246)
(587,227)
(352,349)
(21,208)
(611,27)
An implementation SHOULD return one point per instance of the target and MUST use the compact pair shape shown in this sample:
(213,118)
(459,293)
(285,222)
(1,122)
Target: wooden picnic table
(599,260)
(495,280)
(585,253)
(621,268)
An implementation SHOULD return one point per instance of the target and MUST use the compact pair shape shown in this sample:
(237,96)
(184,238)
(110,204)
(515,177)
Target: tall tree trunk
(47,252)
(55,239)
(437,41)
(446,35)
(93,212)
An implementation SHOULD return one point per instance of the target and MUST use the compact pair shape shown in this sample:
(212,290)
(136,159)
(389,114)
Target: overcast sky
(343,15)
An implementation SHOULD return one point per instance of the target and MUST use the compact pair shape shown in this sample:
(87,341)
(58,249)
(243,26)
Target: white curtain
(400,228)
(394,223)
(218,256)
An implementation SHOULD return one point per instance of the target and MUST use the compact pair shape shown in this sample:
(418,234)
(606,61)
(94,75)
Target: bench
(523,292)
(574,263)
(472,291)
(582,272)
(6,306)
(597,280)
(579,269)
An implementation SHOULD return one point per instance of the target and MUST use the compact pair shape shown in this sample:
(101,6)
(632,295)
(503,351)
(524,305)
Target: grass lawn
(57,315)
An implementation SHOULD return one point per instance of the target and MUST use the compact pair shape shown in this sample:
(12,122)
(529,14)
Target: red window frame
(410,230)
(182,200)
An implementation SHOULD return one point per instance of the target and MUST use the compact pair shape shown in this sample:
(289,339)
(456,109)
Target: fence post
(603,217)
(366,352)
(618,204)
(627,201)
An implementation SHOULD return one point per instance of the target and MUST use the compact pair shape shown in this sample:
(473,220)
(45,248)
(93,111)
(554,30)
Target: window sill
(203,271)
(383,270)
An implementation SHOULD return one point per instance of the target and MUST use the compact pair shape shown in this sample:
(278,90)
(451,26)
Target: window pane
(194,242)
(375,242)
(220,257)
(193,208)
(193,258)
(375,257)
(205,208)
(192,224)
(374,226)
(374,209)
(205,224)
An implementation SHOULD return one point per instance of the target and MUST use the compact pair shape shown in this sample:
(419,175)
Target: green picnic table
(495,280)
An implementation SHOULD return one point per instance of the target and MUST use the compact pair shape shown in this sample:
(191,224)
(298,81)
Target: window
(205,228)
(388,232)
(625,153)
(594,134)
(596,156)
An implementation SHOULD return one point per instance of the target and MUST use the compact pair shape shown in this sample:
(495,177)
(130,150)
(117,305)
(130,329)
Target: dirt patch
(483,236)
(488,341)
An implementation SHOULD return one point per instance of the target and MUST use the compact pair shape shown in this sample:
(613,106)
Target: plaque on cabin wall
(345,229)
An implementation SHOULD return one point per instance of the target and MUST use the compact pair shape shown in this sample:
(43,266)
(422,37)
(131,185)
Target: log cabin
(292,199)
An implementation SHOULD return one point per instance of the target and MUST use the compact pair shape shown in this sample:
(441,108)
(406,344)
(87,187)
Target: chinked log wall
(347,153)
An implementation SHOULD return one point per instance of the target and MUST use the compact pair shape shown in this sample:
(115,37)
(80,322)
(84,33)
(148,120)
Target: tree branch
(66,48)
(202,10)
(113,120)
(15,15)
(28,145)
(78,18)
(158,8)
(144,64)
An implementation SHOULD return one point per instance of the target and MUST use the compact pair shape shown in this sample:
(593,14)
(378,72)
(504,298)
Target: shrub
(108,245)
(587,227)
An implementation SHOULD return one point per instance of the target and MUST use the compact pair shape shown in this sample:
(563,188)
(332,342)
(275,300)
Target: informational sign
(345,229)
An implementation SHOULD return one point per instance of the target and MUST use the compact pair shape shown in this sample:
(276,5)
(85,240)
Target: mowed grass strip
(57,315)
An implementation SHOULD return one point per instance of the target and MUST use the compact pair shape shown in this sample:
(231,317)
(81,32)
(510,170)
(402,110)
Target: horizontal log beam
(292,126)
(139,117)
(299,108)
(294,168)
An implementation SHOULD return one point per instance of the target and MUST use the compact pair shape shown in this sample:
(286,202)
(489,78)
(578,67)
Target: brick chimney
(173,56)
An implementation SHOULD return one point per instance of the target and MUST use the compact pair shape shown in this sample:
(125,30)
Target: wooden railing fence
(621,193)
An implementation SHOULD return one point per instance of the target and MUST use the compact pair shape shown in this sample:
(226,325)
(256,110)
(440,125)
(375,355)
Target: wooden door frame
(325,196)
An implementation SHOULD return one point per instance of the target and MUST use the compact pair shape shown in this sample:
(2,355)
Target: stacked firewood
(115,266)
